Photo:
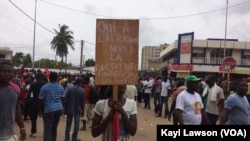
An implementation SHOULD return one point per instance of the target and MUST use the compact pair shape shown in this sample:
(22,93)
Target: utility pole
(225,36)
(34,38)
(81,65)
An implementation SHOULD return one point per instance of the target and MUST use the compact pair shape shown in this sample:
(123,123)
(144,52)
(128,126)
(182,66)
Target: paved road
(146,129)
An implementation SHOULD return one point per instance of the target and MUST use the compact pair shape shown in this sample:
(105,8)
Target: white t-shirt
(102,109)
(148,86)
(130,92)
(190,105)
(164,88)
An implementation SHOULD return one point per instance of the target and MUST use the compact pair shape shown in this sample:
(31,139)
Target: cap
(192,78)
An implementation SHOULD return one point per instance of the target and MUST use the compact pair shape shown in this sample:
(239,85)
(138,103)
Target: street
(146,127)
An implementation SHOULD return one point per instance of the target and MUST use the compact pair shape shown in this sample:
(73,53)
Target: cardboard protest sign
(117,44)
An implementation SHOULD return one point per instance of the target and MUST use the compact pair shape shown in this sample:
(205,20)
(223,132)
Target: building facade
(205,56)
(150,58)
(5,54)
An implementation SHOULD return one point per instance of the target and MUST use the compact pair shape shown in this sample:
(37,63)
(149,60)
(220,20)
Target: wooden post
(116,124)
(228,81)
(115,92)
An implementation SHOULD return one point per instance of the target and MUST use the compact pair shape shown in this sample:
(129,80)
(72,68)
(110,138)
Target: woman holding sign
(104,115)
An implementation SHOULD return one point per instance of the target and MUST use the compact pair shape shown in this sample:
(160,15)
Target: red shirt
(86,88)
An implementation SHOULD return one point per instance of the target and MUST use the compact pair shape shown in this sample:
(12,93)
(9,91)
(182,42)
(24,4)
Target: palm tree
(62,40)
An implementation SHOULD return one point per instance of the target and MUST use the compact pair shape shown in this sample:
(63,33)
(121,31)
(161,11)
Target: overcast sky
(160,22)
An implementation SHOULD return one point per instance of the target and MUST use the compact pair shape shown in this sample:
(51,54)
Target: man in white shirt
(164,97)
(130,92)
(148,85)
(189,107)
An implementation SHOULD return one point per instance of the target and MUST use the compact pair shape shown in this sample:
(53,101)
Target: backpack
(94,97)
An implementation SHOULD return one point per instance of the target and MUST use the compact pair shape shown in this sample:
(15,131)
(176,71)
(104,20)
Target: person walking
(189,107)
(164,97)
(74,101)
(180,86)
(139,87)
(148,85)
(10,111)
(33,93)
(212,96)
(51,99)
(88,106)
(236,109)
(29,79)
(157,94)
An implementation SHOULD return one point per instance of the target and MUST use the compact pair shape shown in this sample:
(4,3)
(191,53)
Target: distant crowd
(183,101)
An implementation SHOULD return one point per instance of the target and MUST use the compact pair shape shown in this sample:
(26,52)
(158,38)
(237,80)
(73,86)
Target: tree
(17,59)
(89,62)
(62,40)
(27,60)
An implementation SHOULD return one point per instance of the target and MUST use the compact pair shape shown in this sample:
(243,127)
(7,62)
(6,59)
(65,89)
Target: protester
(212,96)
(131,92)
(236,109)
(248,90)
(33,93)
(74,101)
(189,107)
(104,116)
(51,99)
(29,79)
(180,86)
(147,85)
(10,111)
(164,97)
(139,87)
(88,106)
(157,93)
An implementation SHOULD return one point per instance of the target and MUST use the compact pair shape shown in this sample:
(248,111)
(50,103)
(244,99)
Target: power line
(15,22)
(19,24)
(161,18)
(76,10)
(36,21)
(30,17)
(201,13)
(89,43)
(88,52)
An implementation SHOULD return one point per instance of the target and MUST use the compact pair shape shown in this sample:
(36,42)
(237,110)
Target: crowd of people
(198,101)
(29,94)
(50,95)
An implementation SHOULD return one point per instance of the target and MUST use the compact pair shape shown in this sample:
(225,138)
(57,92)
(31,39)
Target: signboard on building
(185,42)
(181,68)
(184,52)
(117,44)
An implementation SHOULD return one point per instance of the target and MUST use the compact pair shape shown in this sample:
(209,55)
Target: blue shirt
(240,110)
(51,93)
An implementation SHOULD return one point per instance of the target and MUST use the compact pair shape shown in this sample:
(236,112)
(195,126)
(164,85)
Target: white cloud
(160,22)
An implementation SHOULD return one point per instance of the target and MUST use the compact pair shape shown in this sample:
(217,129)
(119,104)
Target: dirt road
(146,129)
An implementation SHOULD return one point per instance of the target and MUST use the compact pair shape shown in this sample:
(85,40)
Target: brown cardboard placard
(117,44)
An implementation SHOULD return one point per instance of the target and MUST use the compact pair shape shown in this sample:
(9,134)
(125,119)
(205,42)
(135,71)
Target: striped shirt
(51,93)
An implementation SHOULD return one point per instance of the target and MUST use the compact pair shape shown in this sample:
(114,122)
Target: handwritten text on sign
(116,52)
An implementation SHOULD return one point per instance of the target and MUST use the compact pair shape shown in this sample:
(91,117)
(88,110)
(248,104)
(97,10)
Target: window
(198,54)
(2,56)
